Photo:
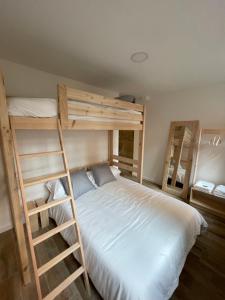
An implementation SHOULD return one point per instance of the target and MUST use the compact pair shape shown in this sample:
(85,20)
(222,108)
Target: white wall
(83,147)
(204,104)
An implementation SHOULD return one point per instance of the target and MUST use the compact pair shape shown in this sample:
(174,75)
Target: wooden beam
(89,110)
(8,158)
(213,131)
(141,149)
(63,104)
(96,125)
(30,123)
(125,159)
(110,147)
(75,94)
(125,167)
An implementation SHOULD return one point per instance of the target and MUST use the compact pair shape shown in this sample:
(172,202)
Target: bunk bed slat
(64,284)
(80,109)
(98,125)
(125,167)
(41,238)
(79,95)
(54,261)
(43,207)
(125,159)
(34,123)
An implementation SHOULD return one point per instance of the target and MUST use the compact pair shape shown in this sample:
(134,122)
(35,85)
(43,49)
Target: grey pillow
(80,182)
(102,174)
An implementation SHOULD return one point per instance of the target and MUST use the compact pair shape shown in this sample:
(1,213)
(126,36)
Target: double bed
(135,239)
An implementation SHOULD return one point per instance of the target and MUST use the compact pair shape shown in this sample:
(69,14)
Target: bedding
(80,182)
(47,108)
(102,174)
(180,173)
(135,239)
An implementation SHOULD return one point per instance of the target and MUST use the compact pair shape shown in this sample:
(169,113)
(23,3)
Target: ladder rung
(38,154)
(46,235)
(50,264)
(63,285)
(41,179)
(48,205)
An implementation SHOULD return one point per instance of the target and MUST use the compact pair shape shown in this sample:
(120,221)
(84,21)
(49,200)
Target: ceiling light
(139,57)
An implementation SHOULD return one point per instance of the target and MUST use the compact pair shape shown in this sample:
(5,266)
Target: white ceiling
(92,41)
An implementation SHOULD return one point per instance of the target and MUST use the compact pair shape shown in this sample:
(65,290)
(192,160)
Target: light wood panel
(125,159)
(80,109)
(110,147)
(62,104)
(100,125)
(141,146)
(75,94)
(34,123)
(8,158)
(125,167)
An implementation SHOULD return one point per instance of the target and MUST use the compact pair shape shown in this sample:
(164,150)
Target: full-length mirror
(179,157)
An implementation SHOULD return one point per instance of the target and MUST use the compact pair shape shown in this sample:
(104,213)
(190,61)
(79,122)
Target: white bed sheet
(135,239)
(47,108)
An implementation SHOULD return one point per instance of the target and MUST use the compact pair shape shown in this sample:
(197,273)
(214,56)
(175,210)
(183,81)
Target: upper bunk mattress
(135,239)
(48,108)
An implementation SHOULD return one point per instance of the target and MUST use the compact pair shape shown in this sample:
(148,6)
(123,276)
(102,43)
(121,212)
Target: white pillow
(116,172)
(56,188)
(91,178)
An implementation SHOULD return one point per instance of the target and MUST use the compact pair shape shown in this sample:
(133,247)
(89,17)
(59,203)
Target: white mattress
(47,108)
(135,239)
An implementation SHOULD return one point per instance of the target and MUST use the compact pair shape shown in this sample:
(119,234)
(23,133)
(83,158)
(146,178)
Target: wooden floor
(203,276)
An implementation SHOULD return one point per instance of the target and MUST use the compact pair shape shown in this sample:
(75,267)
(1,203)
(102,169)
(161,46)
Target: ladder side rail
(23,196)
(74,209)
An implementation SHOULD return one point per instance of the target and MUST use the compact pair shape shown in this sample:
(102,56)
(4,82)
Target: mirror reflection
(179,153)
(179,157)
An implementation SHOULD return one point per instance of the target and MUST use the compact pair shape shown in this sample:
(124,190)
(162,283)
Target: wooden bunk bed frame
(95,106)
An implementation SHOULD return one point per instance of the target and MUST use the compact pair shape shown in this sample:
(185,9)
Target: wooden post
(8,158)
(141,149)
(63,105)
(110,147)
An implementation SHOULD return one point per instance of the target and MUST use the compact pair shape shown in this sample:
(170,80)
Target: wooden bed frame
(82,104)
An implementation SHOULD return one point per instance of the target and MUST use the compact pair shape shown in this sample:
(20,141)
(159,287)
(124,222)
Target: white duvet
(135,239)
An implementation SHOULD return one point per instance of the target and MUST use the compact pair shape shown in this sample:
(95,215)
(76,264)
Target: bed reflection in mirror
(179,157)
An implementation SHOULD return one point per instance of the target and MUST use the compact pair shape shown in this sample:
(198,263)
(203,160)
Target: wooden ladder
(24,183)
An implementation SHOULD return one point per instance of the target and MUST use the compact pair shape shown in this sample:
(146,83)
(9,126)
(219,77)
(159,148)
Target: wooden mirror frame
(181,192)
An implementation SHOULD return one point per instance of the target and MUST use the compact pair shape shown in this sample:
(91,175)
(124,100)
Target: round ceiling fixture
(139,57)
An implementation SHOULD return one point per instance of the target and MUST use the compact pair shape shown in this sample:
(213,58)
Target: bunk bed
(151,233)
